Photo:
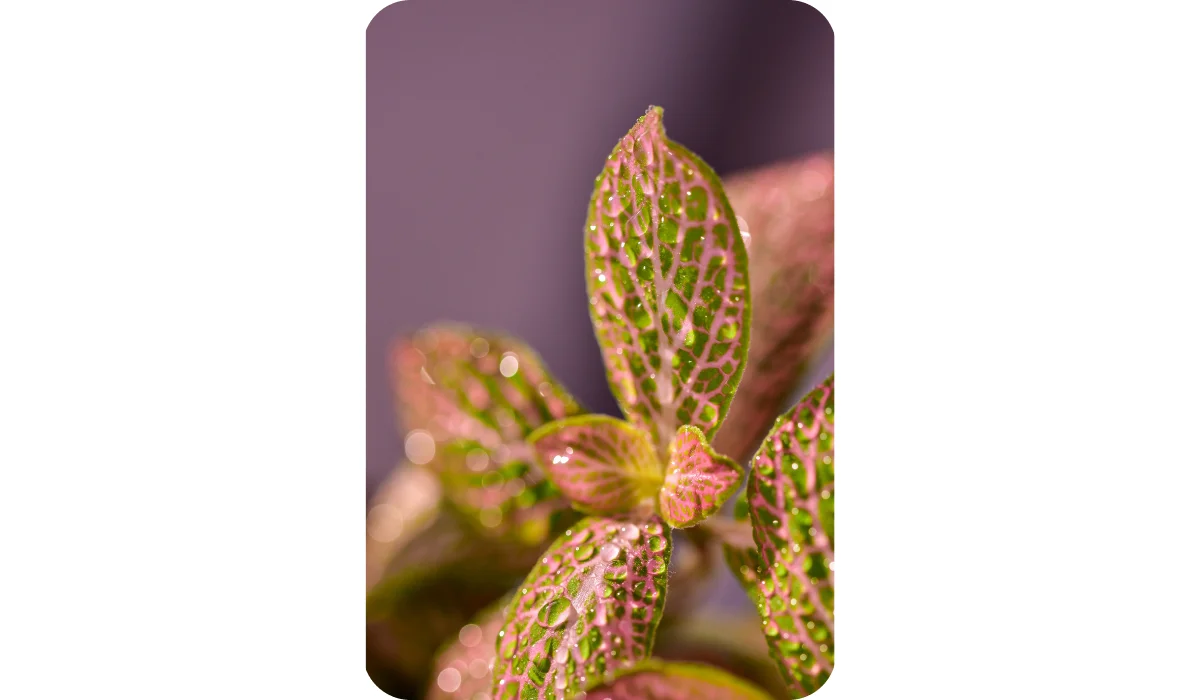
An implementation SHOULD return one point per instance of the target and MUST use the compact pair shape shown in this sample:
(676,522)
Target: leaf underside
(605,466)
(467,661)
(698,481)
(657,680)
(788,210)
(475,397)
(589,609)
(667,284)
(790,498)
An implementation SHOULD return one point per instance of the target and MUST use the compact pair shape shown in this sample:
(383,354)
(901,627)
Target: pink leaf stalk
(469,400)
(589,609)
(666,276)
(605,466)
(463,670)
(788,210)
(790,576)
(698,481)
(657,680)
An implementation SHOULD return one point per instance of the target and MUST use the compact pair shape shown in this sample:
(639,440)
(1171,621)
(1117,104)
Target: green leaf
(660,680)
(787,210)
(605,466)
(666,278)
(463,669)
(789,572)
(588,610)
(698,481)
(469,400)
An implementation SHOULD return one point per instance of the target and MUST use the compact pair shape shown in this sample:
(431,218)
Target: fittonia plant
(519,462)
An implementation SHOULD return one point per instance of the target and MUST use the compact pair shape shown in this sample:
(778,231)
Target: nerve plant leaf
(469,400)
(788,210)
(658,680)
(588,610)
(789,500)
(603,465)
(666,276)
(463,670)
(698,481)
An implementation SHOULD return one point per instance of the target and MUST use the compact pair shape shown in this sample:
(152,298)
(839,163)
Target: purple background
(487,121)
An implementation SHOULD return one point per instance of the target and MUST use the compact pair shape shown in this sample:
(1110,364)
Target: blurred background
(487,121)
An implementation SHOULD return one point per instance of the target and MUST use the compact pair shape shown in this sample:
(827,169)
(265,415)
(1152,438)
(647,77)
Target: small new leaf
(790,576)
(698,481)
(658,680)
(666,277)
(605,466)
(589,609)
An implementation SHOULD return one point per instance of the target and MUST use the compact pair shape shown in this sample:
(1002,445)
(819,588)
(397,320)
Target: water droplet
(561,681)
(729,331)
(645,270)
(555,613)
(630,532)
(479,347)
(580,537)
(654,529)
(609,551)
(656,565)
(509,364)
(560,654)
(584,552)
(657,544)
(616,573)
(772,629)
(553,564)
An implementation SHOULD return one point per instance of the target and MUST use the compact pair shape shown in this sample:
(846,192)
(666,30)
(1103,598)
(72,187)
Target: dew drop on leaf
(556,613)
(584,552)
(657,544)
(609,551)
(656,565)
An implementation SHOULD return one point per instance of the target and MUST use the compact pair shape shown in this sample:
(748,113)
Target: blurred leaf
(470,399)
(666,276)
(463,670)
(432,587)
(604,465)
(698,481)
(788,209)
(403,506)
(789,574)
(661,680)
(589,608)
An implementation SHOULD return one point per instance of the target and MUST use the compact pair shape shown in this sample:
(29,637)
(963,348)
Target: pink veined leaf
(658,680)
(666,276)
(463,670)
(789,572)
(588,610)
(605,466)
(469,399)
(698,481)
(788,210)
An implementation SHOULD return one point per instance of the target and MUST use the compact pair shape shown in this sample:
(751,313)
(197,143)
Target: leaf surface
(789,573)
(590,608)
(605,466)
(698,481)
(666,277)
